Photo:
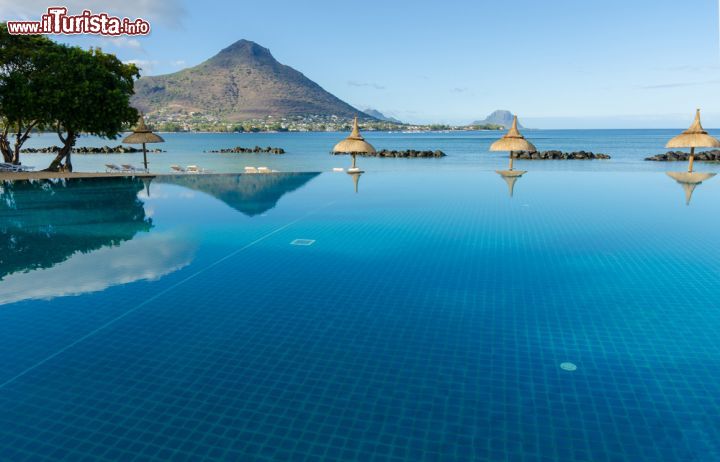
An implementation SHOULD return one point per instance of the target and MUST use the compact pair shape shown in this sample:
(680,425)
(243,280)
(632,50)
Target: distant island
(244,88)
(380,116)
(500,117)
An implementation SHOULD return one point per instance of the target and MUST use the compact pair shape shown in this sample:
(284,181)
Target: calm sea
(310,151)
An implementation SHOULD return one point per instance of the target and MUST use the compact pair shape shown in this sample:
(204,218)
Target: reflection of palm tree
(250,194)
(43,223)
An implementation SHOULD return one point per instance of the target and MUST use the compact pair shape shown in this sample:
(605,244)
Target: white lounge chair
(130,168)
(4,167)
(263,170)
(112,168)
(177,169)
(251,170)
(192,169)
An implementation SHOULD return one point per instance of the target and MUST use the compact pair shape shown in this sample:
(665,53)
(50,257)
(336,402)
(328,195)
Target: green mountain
(244,81)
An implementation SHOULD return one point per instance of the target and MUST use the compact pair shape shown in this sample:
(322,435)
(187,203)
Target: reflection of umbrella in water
(146,181)
(356,179)
(512,141)
(693,137)
(510,177)
(689,181)
(141,135)
(353,145)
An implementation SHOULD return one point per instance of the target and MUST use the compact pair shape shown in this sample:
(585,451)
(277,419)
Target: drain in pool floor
(304,242)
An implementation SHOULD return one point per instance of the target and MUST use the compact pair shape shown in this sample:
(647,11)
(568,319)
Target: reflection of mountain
(251,194)
(43,223)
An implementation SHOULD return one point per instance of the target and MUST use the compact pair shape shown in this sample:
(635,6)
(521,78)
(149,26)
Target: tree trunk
(6,152)
(64,154)
(16,154)
(12,154)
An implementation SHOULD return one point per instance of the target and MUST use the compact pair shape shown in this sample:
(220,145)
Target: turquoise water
(427,321)
(310,151)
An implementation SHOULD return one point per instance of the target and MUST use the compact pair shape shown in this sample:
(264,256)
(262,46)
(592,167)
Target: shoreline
(19,176)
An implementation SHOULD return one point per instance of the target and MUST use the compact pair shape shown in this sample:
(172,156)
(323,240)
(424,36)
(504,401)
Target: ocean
(311,151)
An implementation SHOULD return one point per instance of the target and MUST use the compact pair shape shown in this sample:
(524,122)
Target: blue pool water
(427,321)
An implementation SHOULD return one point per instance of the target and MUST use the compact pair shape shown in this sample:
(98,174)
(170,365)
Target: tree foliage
(89,93)
(21,79)
(72,90)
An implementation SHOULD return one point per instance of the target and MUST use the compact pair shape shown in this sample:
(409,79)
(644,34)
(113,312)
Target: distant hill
(380,116)
(243,81)
(499,117)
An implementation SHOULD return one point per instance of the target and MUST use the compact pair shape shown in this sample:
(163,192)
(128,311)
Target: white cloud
(179,63)
(355,83)
(147,257)
(146,66)
(122,42)
(680,84)
(169,12)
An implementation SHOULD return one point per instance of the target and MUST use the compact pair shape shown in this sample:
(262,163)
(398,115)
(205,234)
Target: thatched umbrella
(353,145)
(512,141)
(141,135)
(693,137)
(689,181)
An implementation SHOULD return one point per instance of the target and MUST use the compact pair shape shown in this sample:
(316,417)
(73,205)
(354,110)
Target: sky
(556,63)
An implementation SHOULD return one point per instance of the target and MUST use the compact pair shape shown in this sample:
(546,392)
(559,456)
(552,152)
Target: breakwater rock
(672,156)
(255,150)
(559,155)
(88,150)
(408,153)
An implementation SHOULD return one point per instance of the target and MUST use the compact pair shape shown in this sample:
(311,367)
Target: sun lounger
(131,169)
(112,168)
(263,170)
(192,169)
(177,168)
(251,170)
(4,167)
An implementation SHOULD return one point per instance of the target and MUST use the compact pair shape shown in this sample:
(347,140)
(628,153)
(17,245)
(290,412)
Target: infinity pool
(424,317)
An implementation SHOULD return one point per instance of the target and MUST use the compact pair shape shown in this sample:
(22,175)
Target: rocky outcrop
(408,153)
(119,149)
(255,150)
(559,155)
(499,117)
(671,156)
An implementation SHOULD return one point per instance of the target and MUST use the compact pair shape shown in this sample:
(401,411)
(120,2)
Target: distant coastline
(205,123)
